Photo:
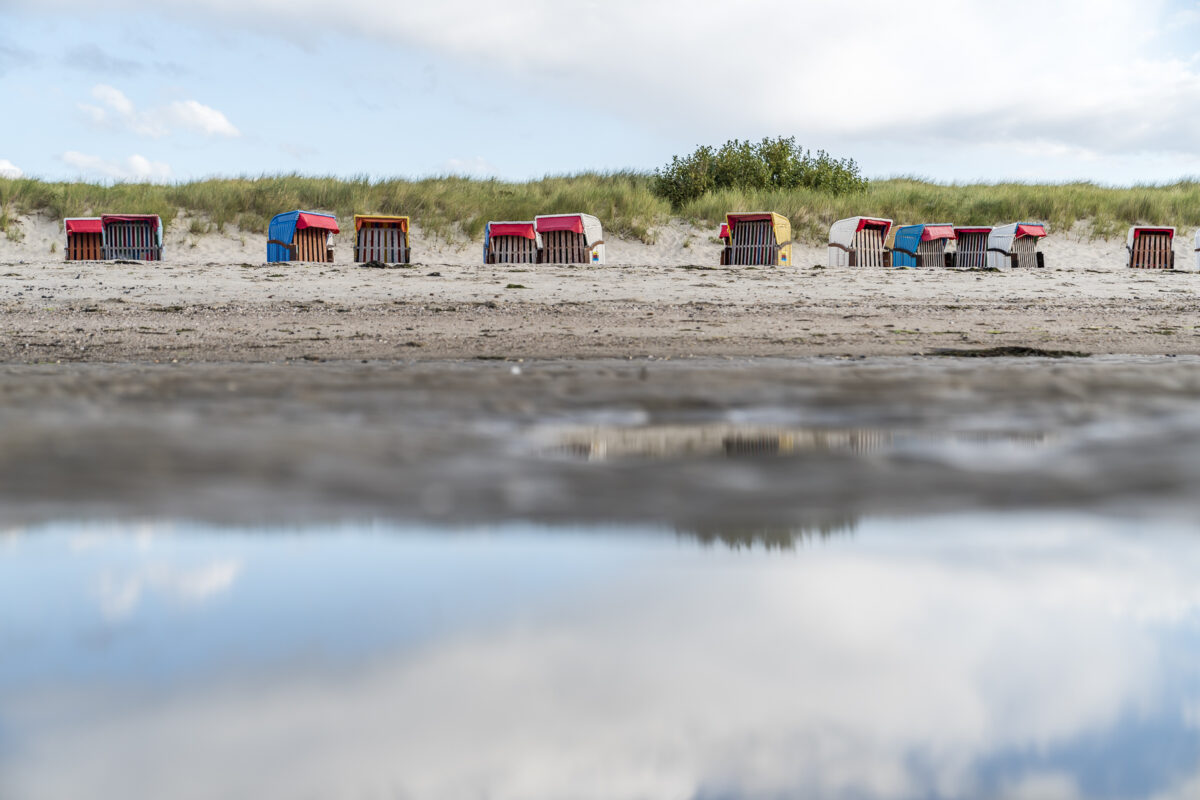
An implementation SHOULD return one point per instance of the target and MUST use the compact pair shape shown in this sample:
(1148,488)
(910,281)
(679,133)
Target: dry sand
(213,299)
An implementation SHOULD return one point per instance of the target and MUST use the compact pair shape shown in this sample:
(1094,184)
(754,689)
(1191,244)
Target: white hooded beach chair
(570,238)
(1015,246)
(859,242)
(1151,248)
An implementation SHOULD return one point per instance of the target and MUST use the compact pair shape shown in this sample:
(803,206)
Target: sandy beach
(219,301)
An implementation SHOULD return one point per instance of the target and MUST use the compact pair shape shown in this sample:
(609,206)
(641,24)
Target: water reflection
(768,537)
(1040,656)
(662,442)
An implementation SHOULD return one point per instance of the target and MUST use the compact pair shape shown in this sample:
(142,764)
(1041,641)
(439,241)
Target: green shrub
(770,164)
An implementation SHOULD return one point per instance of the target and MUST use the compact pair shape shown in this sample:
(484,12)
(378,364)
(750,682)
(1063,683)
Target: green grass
(623,201)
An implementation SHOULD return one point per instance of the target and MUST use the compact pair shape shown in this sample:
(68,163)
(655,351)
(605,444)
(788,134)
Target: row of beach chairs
(874,242)
(307,236)
(755,238)
(546,239)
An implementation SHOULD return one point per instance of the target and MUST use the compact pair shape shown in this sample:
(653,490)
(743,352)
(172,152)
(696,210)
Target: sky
(951,90)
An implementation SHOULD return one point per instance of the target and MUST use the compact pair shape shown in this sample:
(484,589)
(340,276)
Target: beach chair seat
(1151,248)
(859,242)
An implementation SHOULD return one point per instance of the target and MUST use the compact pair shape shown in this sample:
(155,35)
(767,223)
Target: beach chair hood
(83,225)
(842,232)
(152,219)
(1139,230)
(525,230)
(781,224)
(589,226)
(1003,236)
(376,219)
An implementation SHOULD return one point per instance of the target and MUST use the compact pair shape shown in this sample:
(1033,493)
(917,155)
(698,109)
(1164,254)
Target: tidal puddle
(991,655)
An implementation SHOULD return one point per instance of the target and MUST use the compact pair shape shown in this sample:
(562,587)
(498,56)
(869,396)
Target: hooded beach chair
(858,242)
(301,236)
(1151,248)
(761,238)
(85,239)
(131,237)
(922,245)
(1015,246)
(379,238)
(970,247)
(570,238)
(511,243)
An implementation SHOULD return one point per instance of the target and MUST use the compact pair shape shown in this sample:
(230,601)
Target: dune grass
(625,202)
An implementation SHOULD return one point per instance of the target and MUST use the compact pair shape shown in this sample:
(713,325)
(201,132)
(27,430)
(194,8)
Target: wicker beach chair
(859,242)
(1151,248)
(85,239)
(301,236)
(970,248)
(1015,246)
(132,237)
(381,238)
(922,245)
(570,239)
(761,238)
(511,243)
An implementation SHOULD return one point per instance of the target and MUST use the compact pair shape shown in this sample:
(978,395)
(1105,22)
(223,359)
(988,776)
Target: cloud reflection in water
(970,656)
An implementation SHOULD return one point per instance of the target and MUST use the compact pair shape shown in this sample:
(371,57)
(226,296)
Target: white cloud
(136,167)
(194,116)
(116,109)
(1030,73)
(120,596)
(9,169)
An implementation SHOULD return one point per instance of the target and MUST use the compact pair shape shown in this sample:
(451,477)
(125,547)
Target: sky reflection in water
(958,656)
